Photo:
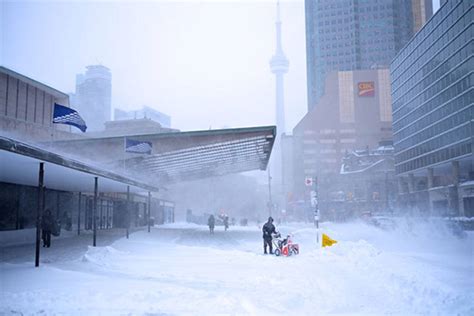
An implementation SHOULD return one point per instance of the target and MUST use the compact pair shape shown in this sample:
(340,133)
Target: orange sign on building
(366,89)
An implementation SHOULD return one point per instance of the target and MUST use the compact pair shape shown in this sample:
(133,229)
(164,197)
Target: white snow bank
(415,268)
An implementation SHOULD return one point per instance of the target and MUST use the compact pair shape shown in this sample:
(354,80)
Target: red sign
(366,89)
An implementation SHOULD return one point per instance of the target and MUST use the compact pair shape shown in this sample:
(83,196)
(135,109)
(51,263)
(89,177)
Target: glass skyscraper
(433,107)
(346,35)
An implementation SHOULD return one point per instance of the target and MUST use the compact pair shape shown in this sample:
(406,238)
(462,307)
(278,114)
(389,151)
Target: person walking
(211,223)
(226,222)
(268,229)
(46,228)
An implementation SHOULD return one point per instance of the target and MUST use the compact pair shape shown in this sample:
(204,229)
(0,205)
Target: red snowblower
(284,247)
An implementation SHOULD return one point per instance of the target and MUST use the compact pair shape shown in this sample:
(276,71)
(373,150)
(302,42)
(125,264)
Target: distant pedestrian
(268,229)
(46,228)
(211,222)
(226,222)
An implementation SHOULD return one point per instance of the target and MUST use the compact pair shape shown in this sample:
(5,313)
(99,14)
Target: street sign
(308,181)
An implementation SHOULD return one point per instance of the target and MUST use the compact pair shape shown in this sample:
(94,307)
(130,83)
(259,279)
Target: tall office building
(348,35)
(93,96)
(433,111)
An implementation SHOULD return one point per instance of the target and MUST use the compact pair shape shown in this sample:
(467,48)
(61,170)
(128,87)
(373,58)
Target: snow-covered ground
(180,269)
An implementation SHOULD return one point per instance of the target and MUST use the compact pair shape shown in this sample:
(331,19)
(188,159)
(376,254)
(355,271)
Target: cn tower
(279,65)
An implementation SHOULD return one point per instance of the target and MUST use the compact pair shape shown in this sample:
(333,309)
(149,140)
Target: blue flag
(65,115)
(137,146)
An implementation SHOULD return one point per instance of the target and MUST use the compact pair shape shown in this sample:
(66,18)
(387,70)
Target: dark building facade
(344,35)
(433,111)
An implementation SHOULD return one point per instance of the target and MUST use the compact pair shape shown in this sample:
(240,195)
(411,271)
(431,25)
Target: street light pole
(270,202)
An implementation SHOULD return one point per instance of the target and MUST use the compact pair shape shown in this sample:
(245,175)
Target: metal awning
(19,164)
(182,156)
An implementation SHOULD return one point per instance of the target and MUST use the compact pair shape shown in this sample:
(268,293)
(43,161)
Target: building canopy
(19,164)
(182,156)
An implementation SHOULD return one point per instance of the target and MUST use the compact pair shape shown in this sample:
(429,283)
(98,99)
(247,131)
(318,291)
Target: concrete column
(430,185)
(39,212)
(79,214)
(454,192)
(149,211)
(128,211)
(94,212)
(401,188)
(430,178)
(411,182)
(455,165)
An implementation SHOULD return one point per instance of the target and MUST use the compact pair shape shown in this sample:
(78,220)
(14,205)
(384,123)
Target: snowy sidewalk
(68,246)
(183,270)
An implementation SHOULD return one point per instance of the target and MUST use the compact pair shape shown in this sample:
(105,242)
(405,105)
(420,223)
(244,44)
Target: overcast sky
(204,63)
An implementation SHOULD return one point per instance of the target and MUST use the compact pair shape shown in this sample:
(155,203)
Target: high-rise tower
(93,96)
(279,66)
(348,35)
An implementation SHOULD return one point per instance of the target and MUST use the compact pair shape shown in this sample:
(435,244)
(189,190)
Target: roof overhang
(19,164)
(182,156)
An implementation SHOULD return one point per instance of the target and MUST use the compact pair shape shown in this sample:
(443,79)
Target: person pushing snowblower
(268,229)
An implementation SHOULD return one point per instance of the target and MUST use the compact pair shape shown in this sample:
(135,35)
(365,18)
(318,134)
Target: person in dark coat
(46,228)
(211,223)
(226,222)
(268,229)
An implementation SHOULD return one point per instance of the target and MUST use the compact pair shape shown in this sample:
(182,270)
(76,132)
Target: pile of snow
(180,269)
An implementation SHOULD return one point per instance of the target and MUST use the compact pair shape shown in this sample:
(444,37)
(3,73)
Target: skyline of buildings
(431,87)
(356,35)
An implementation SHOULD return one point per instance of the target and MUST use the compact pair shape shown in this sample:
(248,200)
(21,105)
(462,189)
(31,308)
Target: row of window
(428,44)
(439,23)
(445,53)
(467,98)
(417,110)
(334,38)
(372,6)
(420,93)
(439,156)
(444,139)
(332,21)
(339,45)
(435,68)
(466,50)
(416,71)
